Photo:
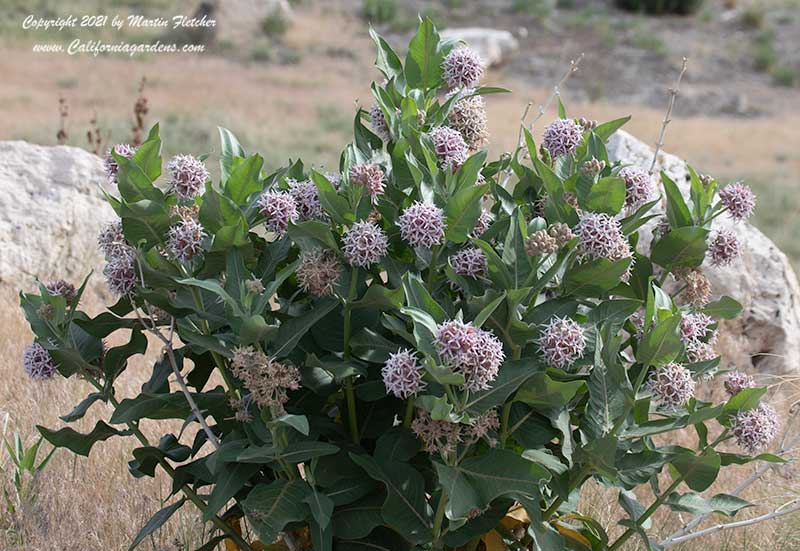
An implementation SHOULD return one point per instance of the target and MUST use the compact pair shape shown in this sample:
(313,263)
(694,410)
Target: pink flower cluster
(189,176)
(402,374)
(110,163)
(462,68)
(449,146)
(562,137)
(473,352)
(364,244)
(279,208)
(369,176)
(318,272)
(470,262)
(561,342)
(671,385)
(422,225)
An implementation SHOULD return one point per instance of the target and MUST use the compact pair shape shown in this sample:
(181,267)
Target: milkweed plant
(407,351)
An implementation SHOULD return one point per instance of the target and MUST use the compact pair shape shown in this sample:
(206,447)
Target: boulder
(51,211)
(766,336)
(494,46)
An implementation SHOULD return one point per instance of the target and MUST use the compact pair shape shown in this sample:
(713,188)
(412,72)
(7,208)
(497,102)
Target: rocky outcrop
(51,210)
(766,336)
(494,46)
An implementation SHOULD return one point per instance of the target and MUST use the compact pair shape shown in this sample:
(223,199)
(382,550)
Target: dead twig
(673,93)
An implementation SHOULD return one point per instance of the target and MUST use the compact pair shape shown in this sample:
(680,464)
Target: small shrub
(407,351)
(786,76)
(380,11)
(275,24)
(764,54)
(661,7)
(753,17)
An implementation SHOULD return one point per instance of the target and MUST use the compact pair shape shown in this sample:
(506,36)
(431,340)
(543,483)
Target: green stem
(647,514)
(504,417)
(218,361)
(660,499)
(438,520)
(409,413)
(577,481)
(348,388)
(187,491)
(432,267)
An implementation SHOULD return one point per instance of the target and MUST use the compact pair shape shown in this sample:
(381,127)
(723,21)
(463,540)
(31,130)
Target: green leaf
(595,277)
(744,400)
(270,507)
(607,385)
(356,520)
(606,129)
(78,443)
(424,60)
(296,452)
(462,212)
(229,149)
(293,329)
(321,508)
(244,179)
(313,233)
(511,377)
(167,406)
(214,287)
(684,246)
(488,310)
(381,298)
(80,410)
(477,481)
(725,308)
(335,205)
(387,61)
(607,195)
(677,212)
(156,522)
(693,503)
(662,344)
(543,392)
(405,508)
(699,471)
(417,296)
(228,482)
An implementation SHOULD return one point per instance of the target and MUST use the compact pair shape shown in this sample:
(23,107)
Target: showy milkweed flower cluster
(306,198)
(469,262)
(422,225)
(402,374)
(473,352)
(364,244)
(462,68)
(561,342)
(562,137)
(450,147)
(267,380)
(279,208)
(110,163)
(369,176)
(671,385)
(189,176)
(639,187)
(756,428)
(318,272)
(37,362)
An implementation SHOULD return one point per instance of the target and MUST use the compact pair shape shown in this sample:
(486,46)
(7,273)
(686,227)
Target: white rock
(51,210)
(494,46)
(766,336)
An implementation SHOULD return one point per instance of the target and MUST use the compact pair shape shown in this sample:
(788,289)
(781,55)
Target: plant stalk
(348,388)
